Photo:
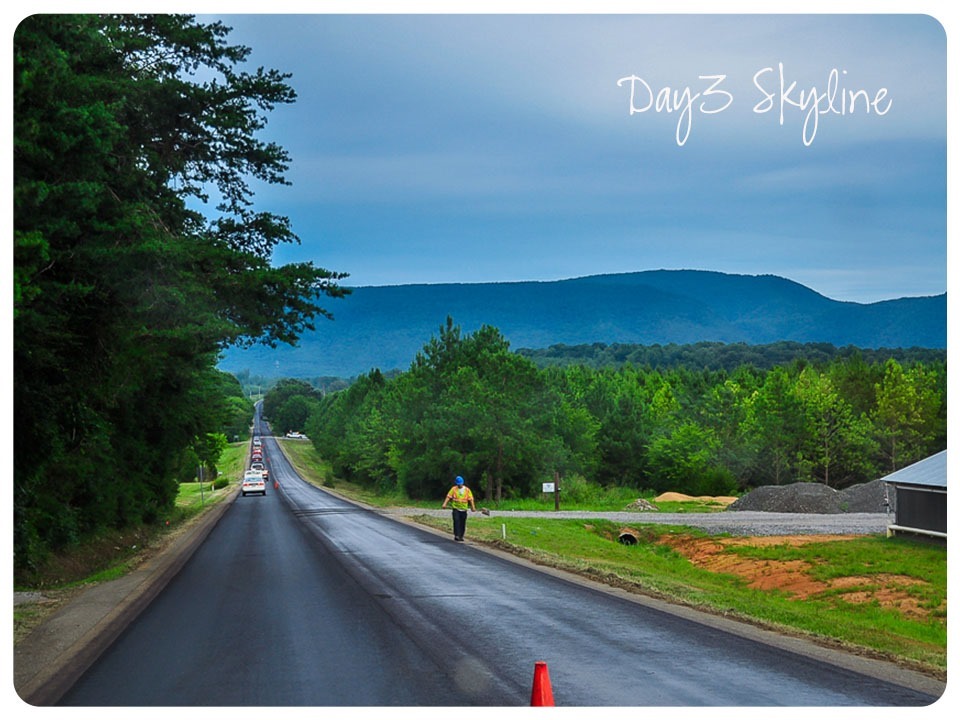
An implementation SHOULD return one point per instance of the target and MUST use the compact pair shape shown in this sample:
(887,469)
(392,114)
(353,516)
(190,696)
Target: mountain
(385,326)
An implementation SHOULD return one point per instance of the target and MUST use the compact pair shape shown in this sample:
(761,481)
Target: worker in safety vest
(459,498)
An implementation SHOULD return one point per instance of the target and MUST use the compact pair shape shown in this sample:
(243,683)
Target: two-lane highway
(301,598)
(262,615)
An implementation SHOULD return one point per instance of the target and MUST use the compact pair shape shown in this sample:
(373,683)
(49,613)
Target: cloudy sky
(470,148)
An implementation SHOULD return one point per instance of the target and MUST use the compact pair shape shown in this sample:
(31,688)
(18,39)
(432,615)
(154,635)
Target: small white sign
(549,487)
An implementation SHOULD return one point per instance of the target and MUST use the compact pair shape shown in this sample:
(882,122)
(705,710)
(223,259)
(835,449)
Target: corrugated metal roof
(931,472)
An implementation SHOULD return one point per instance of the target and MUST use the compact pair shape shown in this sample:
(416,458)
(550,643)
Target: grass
(193,497)
(915,567)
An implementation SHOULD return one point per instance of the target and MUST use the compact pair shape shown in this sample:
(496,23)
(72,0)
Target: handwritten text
(777,92)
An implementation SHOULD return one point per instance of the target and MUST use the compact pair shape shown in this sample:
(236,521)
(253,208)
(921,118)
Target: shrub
(715,481)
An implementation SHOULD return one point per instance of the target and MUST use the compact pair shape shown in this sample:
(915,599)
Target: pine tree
(124,292)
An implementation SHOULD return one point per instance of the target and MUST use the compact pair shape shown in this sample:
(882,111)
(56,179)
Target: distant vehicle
(256,442)
(259,467)
(296,435)
(253,482)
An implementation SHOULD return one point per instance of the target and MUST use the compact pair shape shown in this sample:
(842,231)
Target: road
(302,599)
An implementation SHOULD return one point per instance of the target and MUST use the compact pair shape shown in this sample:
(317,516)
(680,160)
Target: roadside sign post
(553,487)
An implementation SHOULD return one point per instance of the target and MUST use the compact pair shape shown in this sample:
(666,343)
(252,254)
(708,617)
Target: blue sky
(476,148)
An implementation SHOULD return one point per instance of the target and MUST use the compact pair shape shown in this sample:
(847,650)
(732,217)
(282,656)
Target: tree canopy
(138,256)
(469,406)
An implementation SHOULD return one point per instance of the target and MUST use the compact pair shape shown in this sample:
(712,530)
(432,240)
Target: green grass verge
(193,497)
(653,567)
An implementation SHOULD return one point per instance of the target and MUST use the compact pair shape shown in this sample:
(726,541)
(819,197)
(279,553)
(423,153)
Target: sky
(432,148)
(541,141)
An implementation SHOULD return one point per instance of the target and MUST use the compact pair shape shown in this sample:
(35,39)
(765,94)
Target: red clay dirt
(793,576)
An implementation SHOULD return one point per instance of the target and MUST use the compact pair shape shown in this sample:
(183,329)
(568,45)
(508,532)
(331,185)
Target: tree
(723,411)
(349,429)
(209,447)
(285,389)
(836,446)
(627,415)
(468,406)
(292,414)
(855,380)
(124,291)
(907,415)
(682,458)
(501,399)
(774,422)
(237,415)
(573,447)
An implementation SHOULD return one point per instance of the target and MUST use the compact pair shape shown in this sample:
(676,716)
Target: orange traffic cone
(542,694)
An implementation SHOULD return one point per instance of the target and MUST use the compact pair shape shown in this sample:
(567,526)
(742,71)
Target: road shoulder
(51,659)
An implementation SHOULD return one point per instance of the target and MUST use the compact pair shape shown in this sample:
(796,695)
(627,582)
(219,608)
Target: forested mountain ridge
(384,326)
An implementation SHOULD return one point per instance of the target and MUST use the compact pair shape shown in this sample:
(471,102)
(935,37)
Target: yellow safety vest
(459,497)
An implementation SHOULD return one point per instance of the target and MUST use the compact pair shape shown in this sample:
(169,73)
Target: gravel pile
(816,498)
(870,497)
(642,505)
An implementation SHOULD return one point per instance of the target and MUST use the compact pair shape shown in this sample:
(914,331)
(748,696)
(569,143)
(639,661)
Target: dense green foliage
(470,406)
(125,293)
(289,403)
(720,356)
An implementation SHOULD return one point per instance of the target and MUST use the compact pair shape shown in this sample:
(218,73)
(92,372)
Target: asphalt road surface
(301,599)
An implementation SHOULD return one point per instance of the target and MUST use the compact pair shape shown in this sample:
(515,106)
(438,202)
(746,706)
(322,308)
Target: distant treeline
(254,385)
(470,406)
(720,356)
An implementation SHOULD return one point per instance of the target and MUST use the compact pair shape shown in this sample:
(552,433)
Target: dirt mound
(680,497)
(815,498)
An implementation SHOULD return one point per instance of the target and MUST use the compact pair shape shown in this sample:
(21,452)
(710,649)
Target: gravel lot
(792,509)
(744,522)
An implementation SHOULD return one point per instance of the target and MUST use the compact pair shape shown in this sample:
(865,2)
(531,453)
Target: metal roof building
(921,497)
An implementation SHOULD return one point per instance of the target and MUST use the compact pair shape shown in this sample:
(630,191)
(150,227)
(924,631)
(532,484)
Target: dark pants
(459,523)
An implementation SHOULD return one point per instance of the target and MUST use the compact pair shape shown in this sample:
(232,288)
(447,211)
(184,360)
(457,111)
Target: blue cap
(459,480)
